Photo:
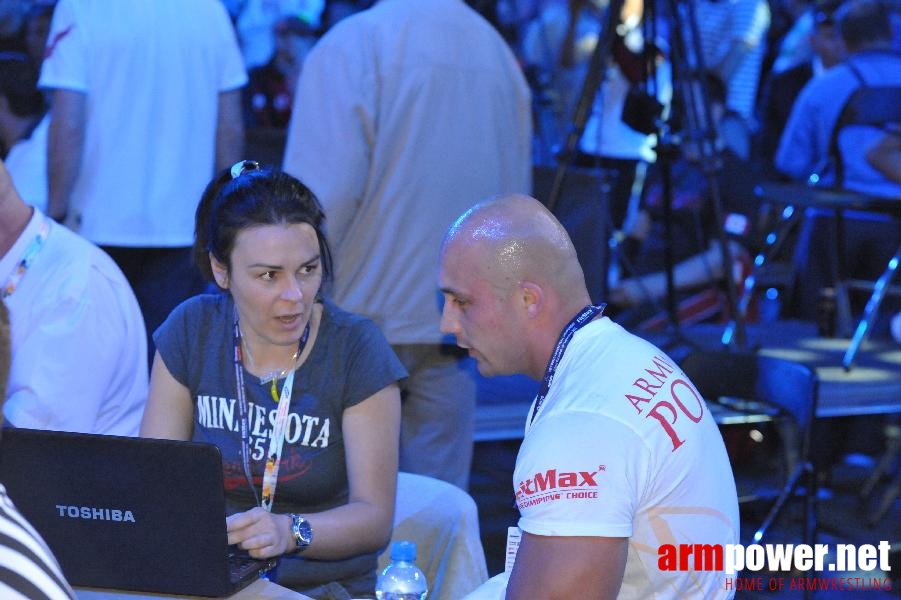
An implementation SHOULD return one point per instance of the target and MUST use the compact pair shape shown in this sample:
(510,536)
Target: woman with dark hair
(300,396)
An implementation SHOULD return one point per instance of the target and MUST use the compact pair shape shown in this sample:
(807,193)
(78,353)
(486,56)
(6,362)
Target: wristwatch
(303,532)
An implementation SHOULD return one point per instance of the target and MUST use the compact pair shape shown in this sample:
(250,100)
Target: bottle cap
(403,550)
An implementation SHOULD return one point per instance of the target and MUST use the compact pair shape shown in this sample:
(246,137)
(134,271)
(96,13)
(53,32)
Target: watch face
(303,533)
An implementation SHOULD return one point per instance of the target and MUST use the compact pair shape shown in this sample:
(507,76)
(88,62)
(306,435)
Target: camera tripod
(644,113)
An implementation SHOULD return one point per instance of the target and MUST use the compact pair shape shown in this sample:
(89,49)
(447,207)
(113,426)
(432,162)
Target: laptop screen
(124,513)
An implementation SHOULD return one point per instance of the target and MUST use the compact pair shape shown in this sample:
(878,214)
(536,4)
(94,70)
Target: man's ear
(220,272)
(530,297)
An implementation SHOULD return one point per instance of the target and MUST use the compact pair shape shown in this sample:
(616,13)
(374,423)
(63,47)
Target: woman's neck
(269,360)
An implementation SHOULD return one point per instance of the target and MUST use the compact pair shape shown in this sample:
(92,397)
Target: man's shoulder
(69,252)
(391,16)
(826,90)
(80,270)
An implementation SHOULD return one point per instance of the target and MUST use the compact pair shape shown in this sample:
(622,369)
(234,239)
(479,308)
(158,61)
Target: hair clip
(242,166)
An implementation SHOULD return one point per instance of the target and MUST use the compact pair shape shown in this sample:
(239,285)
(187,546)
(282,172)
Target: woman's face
(276,271)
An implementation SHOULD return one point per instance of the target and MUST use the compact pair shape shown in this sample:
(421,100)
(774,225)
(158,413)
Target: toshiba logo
(92,513)
(553,485)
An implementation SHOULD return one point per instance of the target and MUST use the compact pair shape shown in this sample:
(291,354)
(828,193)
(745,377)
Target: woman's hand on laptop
(261,533)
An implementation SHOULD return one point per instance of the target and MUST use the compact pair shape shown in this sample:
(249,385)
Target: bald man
(621,462)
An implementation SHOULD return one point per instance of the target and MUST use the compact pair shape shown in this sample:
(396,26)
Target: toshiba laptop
(127,513)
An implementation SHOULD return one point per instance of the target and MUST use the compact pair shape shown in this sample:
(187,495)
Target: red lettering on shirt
(56,39)
(658,373)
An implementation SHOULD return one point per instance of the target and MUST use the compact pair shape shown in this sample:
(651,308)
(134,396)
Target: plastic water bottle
(402,579)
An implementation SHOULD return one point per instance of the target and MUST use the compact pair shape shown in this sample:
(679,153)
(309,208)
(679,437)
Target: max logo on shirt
(553,485)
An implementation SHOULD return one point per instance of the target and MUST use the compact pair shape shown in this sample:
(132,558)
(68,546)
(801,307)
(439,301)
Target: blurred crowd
(395,117)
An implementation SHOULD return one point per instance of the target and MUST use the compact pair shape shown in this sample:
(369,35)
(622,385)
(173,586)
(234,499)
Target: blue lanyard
(578,322)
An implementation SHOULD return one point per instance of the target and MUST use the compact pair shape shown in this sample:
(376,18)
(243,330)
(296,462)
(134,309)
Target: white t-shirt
(624,446)
(78,342)
(406,114)
(152,71)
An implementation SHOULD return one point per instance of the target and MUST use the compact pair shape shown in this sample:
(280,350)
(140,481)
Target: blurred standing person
(608,142)
(255,21)
(24,121)
(733,36)
(24,111)
(868,239)
(560,43)
(146,102)
(406,114)
(783,87)
(269,95)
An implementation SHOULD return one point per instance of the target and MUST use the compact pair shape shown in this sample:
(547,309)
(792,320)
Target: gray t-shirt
(350,361)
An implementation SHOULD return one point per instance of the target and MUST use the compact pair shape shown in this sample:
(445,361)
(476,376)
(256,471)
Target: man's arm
(551,567)
(229,130)
(65,148)
(885,155)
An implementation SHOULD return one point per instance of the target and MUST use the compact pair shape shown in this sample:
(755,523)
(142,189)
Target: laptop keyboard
(241,565)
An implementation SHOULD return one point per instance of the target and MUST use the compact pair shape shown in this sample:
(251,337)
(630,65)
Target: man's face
(827,43)
(483,319)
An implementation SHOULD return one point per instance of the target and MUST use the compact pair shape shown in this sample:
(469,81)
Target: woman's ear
(220,272)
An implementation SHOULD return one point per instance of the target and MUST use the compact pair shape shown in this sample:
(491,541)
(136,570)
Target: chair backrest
(790,386)
(868,106)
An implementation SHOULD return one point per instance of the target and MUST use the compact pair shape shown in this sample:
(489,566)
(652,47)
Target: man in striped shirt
(27,567)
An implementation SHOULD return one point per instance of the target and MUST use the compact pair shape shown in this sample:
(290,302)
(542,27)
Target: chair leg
(774,241)
(837,269)
(892,450)
(810,506)
(803,471)
(871,310)
(785,495)
(888,498)
(810,517)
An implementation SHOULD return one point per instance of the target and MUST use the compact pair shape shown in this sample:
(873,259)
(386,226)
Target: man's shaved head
(517,239)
